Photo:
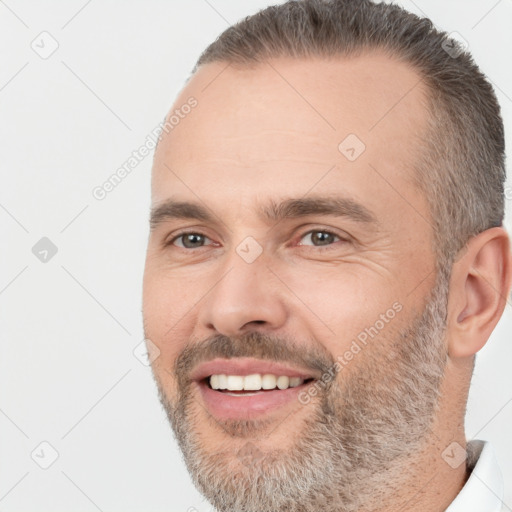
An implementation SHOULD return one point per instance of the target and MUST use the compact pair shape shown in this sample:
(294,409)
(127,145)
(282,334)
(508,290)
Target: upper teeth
(253,382)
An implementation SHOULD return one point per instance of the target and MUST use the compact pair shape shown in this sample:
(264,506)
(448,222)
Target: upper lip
(247,366)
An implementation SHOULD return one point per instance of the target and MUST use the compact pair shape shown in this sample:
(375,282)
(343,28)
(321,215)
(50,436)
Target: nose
(246,296)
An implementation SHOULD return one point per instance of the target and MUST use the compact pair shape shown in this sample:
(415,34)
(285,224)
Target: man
(326,258)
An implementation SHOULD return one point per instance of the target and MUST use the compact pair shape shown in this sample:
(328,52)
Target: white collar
(483,491)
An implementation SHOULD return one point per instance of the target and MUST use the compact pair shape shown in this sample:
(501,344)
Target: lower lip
(224,406)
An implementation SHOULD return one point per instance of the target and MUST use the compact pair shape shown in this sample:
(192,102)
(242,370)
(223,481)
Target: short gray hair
(461,167)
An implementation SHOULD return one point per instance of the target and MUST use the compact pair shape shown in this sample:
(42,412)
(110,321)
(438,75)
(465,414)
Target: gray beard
(352,448)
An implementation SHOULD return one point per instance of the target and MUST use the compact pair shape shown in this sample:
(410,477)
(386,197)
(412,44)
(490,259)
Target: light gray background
(68,375)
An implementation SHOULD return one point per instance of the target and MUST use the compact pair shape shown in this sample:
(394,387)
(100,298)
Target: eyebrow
(271,213)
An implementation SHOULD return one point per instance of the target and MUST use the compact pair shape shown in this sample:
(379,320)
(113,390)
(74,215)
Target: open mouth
(247,397)
(247,388)
(250,385)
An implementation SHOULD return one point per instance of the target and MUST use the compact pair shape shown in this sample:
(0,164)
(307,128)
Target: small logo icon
(454,455)
(351,147)
(44,455)
(249,249)
(45,45)
(44,250)
(146,352)
(454,45)
(250,454)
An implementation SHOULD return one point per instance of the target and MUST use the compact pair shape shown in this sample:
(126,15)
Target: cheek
(168,297)
(169,307)
(344,303)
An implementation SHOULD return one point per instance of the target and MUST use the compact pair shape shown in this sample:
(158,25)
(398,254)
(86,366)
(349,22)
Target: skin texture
(272,132)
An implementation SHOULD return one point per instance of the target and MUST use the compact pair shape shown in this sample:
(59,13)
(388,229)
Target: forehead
(280,128)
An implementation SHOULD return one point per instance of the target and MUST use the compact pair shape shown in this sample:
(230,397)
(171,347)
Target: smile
(254,382)
(245,388)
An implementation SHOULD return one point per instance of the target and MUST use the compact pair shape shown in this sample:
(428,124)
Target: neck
(431,479)
(429,482)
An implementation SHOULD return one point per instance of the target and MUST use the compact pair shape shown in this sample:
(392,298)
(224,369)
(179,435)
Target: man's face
(305,251)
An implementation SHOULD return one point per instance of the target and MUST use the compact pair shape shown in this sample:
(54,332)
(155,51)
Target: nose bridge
(245,292)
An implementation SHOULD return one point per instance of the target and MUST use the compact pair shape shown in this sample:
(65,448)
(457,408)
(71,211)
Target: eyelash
(310,231)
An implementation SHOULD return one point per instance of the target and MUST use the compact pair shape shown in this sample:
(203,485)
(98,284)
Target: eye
(319,237)
(190,240)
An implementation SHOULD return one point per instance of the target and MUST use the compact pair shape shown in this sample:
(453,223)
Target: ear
(479,288)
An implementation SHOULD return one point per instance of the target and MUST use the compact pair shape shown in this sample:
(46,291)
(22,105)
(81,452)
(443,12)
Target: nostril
(252,323)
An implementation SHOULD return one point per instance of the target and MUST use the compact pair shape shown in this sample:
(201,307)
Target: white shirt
(483,491)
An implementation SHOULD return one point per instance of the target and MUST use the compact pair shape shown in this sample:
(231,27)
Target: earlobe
(479,288)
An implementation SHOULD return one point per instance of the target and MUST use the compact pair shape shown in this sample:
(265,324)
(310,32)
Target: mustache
(253,344)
